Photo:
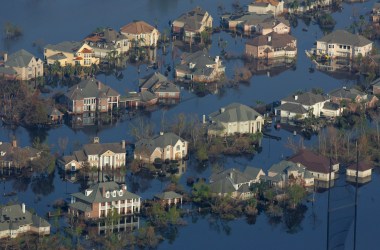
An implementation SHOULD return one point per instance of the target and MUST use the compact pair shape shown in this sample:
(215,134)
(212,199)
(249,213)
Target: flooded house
(91,95)
(277,25)
(272,46)
(235,118)
(141,34)
(161,87)
(13,156)
(341,43)
(190,24)
(273,7)
(165,146)
(246,21)
(16,220)
(70,52)
(169,198)
(104,199)
(351,98)
(99,155)
(290,172)
(363,170)
(21,65)
(107,41)
(199,67)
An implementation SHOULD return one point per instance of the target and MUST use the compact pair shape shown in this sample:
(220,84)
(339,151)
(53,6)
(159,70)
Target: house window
(178,147)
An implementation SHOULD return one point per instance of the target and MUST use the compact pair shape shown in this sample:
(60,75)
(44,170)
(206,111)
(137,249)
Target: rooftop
(90,88)
(307,99)
(234,112)
(345,37)
(137,27)
(19,59)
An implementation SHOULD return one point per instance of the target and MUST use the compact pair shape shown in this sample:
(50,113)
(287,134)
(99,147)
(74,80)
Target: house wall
(267,9)
(250,127)
(331,113)
(323,176)
(347,50)
(361,174)
(87,58)
(281,28)
(251,50)
(150,39)
(34,69)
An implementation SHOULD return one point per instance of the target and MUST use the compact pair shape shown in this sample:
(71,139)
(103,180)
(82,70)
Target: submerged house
(16,220)
(235,118)
(199,67)
(141,34)
(165,146)
(190,25)
(351,98)
(106,41)
(234,183)
(169,198)
(160,86)
(11,155)
(22,65)
(103,199)
(91,95)
(364,170)
(273,7)
(288,172)
(96,154)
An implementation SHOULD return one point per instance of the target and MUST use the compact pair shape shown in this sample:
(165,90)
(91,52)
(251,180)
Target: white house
(267,7)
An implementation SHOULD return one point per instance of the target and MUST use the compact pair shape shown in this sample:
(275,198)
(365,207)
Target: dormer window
(2,153)
(108,194)
(120,192)
(114,193)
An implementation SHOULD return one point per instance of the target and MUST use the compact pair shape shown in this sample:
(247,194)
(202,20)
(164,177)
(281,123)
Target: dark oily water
(53,21)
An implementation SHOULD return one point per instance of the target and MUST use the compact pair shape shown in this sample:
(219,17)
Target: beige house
(96,154)
(69,52)
(289,172)
(191,24)
(16,220)
(91,95)
(364,170)
(166,146)
(24,65)
(267,6)
(103,199)
(271,46)
(141,33)
(247,21)
(235,118)
(341,43)
(277,25)
(107,41)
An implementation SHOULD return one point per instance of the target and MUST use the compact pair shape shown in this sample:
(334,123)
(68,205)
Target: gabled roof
(222,186)
(191,20)
(106,36)
(234,112)
(88,88)
(157,82)
(312,161)
(57,57)
(252,172)
(101,148)
(307,99)
(160,141)
(248,18)
(96,196)
(285,166)
(168,195)
(362,166)
(265,2)
(272,39)
(66,46)
(345,37)
(347,93)
(53,111)
(19,59)
(137,27)
(200,59)
(236,176)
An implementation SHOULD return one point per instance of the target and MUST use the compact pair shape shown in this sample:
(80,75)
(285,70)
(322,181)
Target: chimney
(23,208)
(161,133)
(14,143)
(269,38)
(98,83)
(222,110)
(123,144)
(296,97)
(96,140)
(231,174)
(124,187)
(5,56)
(204,119)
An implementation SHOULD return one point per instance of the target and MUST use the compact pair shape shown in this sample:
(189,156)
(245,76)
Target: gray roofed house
(309,101)
(66,46)
(164,146)
(160,86)
(15,220)
(25,65)
(191,23)
(235,118)
(253,173)
(246,21)
(290,171)
(199,67)
(97,200)
(348,94)
(169,198)
(345,37)
(91,95)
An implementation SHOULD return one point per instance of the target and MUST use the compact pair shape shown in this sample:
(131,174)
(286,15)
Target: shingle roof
(346,93)
(100,148)
(90,87)
(156,82)
(362,166)
(307,99)
(283,166)
(160,141)
(7,71)
(97,190)
(252,172)
(66,46)
(168,195)
(223,186)
(272,39)
(234,112)
(105,36)
(57,57)
(201,59)
(312,161)
(345,37)
(19,59)
(137,27)
(233,174)
(292,107)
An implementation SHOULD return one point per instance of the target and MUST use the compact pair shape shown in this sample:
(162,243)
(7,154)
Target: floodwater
(53,21)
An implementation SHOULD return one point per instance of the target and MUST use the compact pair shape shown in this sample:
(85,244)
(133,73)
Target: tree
(201,192)
(296,193)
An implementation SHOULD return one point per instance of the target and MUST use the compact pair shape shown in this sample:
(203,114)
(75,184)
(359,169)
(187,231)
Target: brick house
(91,95)
(96,154)
(166,146)
(351,98)
(102,199)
